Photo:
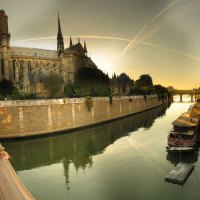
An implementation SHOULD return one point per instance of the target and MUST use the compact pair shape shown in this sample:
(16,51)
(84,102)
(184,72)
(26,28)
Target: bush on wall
(89,102)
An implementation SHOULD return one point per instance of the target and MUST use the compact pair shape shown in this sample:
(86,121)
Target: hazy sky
(156,37)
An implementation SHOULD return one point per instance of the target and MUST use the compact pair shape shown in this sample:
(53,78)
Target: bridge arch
(193,93)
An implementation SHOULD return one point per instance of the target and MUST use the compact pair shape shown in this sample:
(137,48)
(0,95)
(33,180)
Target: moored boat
(185,134)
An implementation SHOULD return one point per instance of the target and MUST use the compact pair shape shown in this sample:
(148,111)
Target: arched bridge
(193,93)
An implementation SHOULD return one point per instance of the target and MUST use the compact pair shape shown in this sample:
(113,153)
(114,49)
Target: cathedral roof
(24,51)
(76,47)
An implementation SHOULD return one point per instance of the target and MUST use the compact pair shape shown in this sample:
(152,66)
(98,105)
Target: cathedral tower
(60,41)
(5,57)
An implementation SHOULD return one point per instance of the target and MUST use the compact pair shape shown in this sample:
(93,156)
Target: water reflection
(186,157)
(77,148)
(185,98)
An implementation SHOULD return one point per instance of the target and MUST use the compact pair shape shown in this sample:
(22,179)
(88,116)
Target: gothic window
(36,65)
(124,89)
(21,71)
(29,67)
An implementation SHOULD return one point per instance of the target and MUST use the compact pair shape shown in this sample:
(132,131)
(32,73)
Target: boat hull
(179,149)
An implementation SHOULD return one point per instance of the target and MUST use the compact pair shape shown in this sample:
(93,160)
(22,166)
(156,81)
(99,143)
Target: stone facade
(26,118)
(26,67)
(121,85)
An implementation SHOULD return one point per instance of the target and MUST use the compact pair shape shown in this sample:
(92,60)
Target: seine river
(121,160)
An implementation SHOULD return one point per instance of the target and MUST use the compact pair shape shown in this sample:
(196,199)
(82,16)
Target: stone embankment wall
(26,118)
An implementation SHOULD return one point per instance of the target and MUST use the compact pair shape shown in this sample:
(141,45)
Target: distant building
(26,67)
(121,85)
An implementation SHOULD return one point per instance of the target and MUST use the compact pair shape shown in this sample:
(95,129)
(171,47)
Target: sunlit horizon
(102,61)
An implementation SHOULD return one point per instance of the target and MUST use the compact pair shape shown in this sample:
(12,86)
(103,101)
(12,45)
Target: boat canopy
(186,121)
(194,110)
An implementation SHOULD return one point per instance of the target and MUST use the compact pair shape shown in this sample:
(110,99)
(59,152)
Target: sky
(156,37)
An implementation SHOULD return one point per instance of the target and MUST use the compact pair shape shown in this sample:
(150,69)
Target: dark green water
(121,160)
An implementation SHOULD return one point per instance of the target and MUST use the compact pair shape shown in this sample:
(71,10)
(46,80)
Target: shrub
(6,87)
(82,91)
(111,99)
(89,102)
(69,90)
(2,97)
(15,94)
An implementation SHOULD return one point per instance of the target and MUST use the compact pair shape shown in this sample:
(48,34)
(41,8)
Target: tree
(145,80)
(90,82)
(162,92)
(54,85)
(159,89)
(87,76)
(6,87)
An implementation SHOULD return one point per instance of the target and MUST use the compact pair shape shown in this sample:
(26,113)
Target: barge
(185,134)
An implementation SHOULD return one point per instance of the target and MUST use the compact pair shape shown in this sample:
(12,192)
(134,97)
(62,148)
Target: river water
(121,160)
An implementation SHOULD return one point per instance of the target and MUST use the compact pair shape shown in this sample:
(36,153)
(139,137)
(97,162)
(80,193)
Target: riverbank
(30,118)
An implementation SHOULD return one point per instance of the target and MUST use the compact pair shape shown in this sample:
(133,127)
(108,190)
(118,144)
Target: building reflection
(77,147)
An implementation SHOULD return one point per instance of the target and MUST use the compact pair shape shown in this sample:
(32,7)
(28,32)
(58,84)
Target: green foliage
(73,90)
(145,97)
(2,97)
(28,96)
(6,87)
(162,92)
(100,91)
(15,94)
(53,83)
(145,80)
(159,89)
(69,90)
(89,102)
(142,90)
(82,91)
(111,99)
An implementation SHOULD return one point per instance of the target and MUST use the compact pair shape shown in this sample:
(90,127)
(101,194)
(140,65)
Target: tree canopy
(87,76)
(6,87)
(145,80)
(159,89)
(54,85)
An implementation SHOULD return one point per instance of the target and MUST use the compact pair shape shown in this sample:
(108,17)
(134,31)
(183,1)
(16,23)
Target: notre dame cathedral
(26,67)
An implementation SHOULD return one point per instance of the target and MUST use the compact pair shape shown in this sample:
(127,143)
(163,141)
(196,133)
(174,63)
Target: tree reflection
(77,147)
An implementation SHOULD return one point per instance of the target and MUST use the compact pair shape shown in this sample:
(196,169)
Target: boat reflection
(77,147)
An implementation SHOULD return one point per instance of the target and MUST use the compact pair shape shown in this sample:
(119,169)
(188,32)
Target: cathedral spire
(60,42)
(85,48)
(70,43)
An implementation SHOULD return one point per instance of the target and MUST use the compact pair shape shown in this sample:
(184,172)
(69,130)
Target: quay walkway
(11,187)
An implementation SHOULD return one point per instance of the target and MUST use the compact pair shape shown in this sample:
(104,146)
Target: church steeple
(60,41)
(70,43)
(85,48)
